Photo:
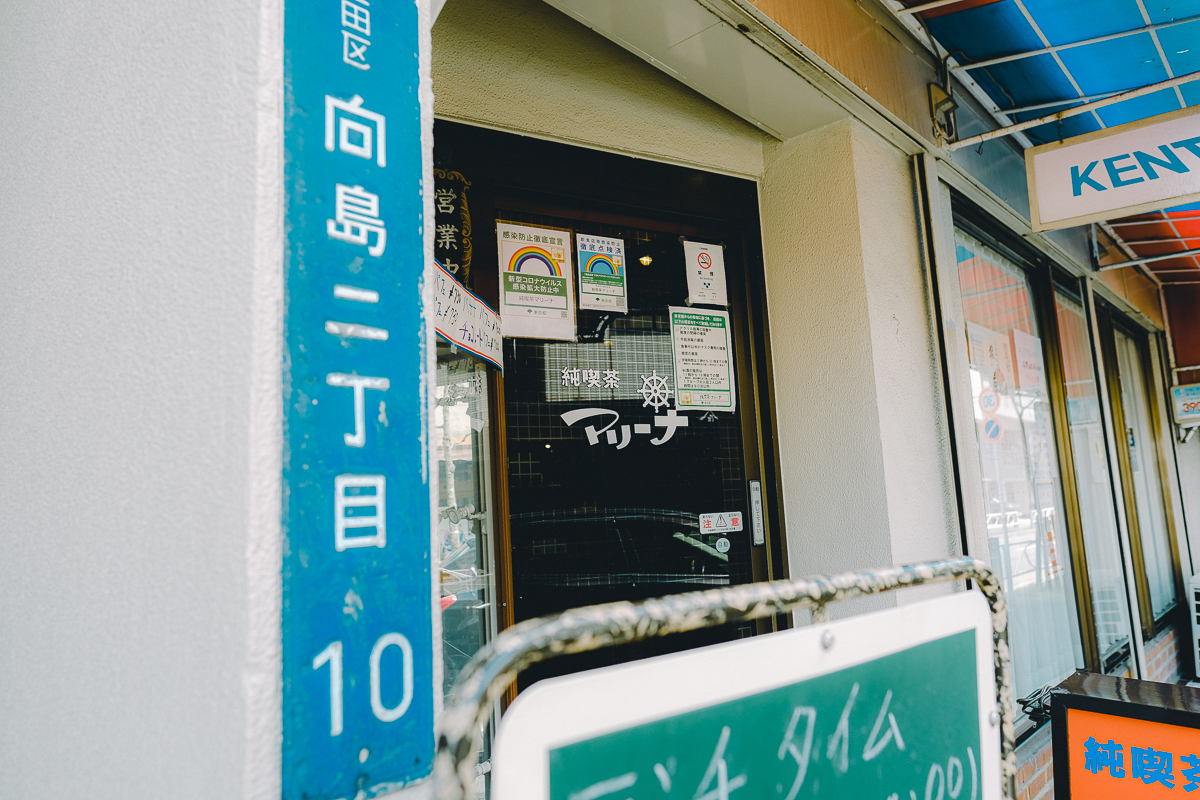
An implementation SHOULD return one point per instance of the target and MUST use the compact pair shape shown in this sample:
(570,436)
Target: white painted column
(139,421)
(865,460)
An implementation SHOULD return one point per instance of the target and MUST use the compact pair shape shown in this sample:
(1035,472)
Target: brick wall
(1035,767)
(1035,763)
(1164,662)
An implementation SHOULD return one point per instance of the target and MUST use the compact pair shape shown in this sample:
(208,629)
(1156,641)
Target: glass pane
(464,521)
(1026,534)
(1147,489)
(1094,484)
(607,478)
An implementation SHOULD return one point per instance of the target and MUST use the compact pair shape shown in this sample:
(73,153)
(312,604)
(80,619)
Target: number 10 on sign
(332,656)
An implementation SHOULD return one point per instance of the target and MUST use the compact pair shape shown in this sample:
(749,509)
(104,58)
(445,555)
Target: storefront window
(1094,484)
(464,510)
(1147,486)
(1025,526)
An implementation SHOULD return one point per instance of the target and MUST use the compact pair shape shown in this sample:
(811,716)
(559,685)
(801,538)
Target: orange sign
(1118,758)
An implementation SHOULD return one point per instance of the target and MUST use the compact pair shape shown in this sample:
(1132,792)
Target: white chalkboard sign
(895,704)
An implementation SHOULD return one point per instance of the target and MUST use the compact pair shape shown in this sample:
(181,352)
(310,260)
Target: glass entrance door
(610,484)
(1148,517)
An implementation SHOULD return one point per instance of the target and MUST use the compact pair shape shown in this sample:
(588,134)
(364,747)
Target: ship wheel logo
(655,391)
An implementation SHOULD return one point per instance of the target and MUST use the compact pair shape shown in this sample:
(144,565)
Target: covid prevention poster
(602,283)
(703,356)
(537,291)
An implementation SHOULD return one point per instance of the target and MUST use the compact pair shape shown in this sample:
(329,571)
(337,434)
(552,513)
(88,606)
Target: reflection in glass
(460,441)
(1026,533)
(607,478)
(1094,484)
(1147,487)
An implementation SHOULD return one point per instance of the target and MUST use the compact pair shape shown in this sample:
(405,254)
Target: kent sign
(1141,166)
(892,705)
(359,668)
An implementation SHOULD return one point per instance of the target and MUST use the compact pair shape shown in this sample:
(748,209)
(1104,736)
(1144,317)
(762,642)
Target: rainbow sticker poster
(602,283)
(537,282)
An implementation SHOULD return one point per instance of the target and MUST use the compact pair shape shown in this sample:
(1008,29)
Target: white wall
(861,423)
(522,66)
(1187,457)
(129,441)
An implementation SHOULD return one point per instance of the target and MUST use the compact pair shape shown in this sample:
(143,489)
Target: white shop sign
(464,320)
(705,273)
(1185,401)
(721,522)
(1140,166)
(893,704)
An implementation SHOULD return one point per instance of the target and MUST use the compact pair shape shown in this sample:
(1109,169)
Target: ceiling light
(645,260)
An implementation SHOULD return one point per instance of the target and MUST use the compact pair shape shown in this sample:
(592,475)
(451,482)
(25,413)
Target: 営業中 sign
(452,231)
(1124,739)
(1139,166)
(537,295)
(703,353)
(1185,402)
(464,320)
(879,705)
(602,273)
(705,273)
(358,618)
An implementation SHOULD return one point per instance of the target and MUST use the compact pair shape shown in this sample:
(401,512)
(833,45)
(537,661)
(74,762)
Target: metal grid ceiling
(1036,57)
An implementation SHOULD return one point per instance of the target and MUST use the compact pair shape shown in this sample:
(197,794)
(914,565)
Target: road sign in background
(878,705)
(357,614)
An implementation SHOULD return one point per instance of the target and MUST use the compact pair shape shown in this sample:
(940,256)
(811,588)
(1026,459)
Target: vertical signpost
(358,627)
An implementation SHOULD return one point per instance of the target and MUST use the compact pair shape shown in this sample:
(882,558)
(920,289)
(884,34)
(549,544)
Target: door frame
(597,186)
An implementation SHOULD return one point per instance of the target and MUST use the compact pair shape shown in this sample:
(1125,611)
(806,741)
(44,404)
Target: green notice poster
(703,354)
(537,291)
(904,725)
(602,284)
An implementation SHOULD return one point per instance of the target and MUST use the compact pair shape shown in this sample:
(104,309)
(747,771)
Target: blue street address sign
(357,621)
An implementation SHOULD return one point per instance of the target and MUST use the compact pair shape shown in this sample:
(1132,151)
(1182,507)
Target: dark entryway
(613,513)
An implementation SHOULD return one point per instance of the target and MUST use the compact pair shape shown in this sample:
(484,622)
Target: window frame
(1110,321)
(1040,272)
(1079,289)
(679,199)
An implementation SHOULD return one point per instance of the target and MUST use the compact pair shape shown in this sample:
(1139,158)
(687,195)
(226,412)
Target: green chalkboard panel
(901,727)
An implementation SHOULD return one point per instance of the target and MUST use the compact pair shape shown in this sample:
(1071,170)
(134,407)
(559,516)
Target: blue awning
(1036,57)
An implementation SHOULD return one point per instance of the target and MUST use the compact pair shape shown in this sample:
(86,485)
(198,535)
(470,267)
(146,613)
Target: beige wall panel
(849,39)
(834,488)
(860,428)
(1115,280)
(1135,287)
(1188,460)
(922,508)
(1143,293)
(523,66)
